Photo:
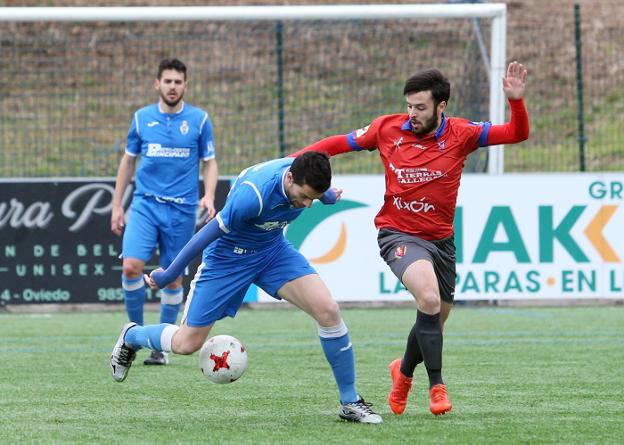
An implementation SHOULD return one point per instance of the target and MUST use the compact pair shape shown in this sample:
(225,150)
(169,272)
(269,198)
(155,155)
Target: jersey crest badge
(184,127)
(400,251)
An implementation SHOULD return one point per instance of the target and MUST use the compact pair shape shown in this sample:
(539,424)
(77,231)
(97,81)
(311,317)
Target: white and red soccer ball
(223,359)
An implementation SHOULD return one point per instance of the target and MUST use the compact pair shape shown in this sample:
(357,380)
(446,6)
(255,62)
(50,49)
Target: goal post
(358,15)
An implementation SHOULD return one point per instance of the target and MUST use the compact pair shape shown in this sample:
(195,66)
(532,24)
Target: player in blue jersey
(245,244)
(171,137)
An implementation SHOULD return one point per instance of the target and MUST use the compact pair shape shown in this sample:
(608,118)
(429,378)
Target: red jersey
(422,173)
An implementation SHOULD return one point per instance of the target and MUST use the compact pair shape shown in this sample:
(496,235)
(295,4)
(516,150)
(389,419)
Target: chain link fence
(68,90)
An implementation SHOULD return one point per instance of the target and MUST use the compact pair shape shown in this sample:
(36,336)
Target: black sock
(412,355)
(429,337)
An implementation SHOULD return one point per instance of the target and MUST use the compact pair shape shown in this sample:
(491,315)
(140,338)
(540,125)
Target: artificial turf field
(514,375)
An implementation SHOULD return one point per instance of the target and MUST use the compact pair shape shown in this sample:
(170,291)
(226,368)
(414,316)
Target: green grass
(515,375)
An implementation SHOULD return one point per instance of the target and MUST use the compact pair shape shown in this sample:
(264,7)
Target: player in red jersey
(423,153)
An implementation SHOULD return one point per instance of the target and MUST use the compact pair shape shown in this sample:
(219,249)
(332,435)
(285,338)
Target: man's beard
(171,103)
(430,125)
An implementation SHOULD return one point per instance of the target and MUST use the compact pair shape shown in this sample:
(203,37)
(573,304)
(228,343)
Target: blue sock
(339,354)
(169,313)
(170,302)
(145,336)
(134,297)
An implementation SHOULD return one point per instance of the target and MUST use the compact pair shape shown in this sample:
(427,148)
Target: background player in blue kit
(245,244)
(171,137)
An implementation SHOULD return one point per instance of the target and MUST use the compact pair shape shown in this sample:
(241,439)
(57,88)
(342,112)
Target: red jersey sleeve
(331,146)
(516,130)
(362,139)
(365,138)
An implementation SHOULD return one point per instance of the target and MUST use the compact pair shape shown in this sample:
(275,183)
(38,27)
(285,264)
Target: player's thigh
(310,294)
(421,280)
(413,261)
(217,290)
(290,276)
(141,232)
(189,339)
(444,261)
(282,264)
(175,231)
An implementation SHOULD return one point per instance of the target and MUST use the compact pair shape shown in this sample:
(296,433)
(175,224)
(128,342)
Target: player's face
(171,87)
(424,117)
(300,196)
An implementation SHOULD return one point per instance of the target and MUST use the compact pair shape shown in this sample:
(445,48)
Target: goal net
(273,79)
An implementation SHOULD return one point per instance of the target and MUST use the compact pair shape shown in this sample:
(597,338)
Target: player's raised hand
(515,80)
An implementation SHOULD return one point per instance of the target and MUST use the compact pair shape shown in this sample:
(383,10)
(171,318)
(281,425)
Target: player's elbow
(519,134)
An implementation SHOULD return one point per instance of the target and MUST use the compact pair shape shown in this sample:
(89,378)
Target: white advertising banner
(518,236)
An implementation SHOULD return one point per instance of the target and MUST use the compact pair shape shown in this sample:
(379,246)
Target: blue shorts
(223,277)
(153,223)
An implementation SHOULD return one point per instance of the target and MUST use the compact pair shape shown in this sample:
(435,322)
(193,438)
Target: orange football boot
(401,385)
(438,400)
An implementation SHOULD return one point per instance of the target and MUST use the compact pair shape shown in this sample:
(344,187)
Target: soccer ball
(223,359)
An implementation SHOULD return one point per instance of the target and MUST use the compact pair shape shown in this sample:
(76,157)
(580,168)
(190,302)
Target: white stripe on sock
(333,331)
(171,296)
(167,336)
(130,286)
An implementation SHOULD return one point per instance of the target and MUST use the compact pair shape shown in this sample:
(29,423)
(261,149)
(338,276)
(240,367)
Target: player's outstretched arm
(331,146)
(159,278)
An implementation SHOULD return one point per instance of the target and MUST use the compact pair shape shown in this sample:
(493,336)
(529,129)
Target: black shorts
(399,250)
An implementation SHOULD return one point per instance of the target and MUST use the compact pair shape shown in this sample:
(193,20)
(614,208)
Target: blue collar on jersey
(283,187)
(408,127)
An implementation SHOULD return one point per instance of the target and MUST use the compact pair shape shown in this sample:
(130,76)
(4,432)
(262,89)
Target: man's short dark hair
(312,169)
(171,64)
(429,80)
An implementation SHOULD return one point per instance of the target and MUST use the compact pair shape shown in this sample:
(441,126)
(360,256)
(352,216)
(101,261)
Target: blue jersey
(257,209)
(171,146)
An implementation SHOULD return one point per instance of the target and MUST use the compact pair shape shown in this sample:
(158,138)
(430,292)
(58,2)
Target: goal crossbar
(199,13)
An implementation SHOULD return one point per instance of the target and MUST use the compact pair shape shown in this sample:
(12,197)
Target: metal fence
(68,90)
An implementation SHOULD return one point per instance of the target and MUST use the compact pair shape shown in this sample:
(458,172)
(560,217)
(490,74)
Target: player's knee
(429,302)
(329,313)
(131,269)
